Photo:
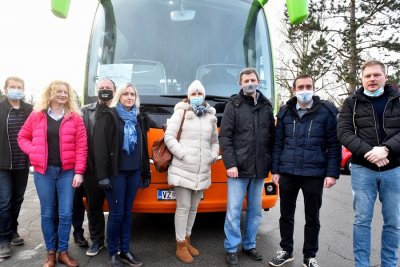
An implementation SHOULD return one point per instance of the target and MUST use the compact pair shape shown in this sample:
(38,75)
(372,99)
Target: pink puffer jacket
(32,139)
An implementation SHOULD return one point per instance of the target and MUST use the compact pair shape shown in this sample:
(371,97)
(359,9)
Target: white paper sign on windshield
(118,73)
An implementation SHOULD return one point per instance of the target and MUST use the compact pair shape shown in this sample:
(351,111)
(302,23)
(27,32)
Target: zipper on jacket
(201,139)
(376,130)
(8,136)
(294,127)
(309,130)
(383,116)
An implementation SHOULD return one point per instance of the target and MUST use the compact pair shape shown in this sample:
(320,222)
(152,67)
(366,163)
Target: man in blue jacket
(306,156)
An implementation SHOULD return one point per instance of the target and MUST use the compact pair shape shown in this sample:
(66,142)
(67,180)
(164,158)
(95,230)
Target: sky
(39,47)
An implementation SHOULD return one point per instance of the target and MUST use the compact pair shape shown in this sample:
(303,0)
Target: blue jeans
(120,199)
(237,189)
(366,184)
(12,190)
(55,181)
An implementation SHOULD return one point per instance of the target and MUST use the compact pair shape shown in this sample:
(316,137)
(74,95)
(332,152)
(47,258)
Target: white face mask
(15,94)
(304,97)
(377,93)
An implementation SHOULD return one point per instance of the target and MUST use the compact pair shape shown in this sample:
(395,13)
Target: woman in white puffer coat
(190,169)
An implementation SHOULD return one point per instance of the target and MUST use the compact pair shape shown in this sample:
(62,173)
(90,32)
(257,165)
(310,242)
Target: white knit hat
(196,86)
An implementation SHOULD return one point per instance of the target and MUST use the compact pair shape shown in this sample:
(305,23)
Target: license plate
(168,194)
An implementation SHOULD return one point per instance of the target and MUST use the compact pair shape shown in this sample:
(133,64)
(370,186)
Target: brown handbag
(162,157)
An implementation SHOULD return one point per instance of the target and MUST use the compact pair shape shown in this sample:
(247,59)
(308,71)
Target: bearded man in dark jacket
(246,138)
(369,126)
(306,156)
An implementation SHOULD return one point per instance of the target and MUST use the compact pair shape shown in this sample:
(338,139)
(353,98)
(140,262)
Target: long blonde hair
(49,93)
(120,91)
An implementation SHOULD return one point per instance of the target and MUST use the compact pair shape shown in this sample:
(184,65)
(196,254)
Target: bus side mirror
(60,8)
(298,10)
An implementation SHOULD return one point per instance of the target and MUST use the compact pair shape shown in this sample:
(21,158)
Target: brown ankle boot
(182,252)
(50,259)
(192,250)
(65,258)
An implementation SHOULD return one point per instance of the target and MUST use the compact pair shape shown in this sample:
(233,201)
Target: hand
(381,163)
(276,178)
(232,172)
(376,154)
(77,181)
(105,184)
(144,183)
(329,182)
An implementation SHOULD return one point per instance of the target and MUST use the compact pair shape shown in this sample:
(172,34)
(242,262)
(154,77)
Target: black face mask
(105,95)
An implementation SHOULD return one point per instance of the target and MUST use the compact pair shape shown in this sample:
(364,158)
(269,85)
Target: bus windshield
(166,44)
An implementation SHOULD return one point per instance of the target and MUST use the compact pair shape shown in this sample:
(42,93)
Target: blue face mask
(377,93)
(197,101)
(15,94)
(304,97)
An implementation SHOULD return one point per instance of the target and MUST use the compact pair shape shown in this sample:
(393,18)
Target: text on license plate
(166,194)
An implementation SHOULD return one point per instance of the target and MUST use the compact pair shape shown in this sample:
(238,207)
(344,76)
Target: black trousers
(289,187)
(78,212)
(95,198)
(12,189)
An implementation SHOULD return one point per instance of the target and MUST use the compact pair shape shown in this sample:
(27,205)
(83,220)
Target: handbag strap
(180,128)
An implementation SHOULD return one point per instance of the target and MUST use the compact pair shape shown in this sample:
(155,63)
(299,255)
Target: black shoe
(253,254)
(281,258)
(94,249)
(130,259)
(231,259)
(17,240)
(310,262)
(81,241)
(115,261)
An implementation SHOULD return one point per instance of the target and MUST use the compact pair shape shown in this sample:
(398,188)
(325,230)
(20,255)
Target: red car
(346,160)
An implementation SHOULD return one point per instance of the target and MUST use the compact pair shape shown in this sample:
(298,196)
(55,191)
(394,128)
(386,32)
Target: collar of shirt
(307,107)
(54,115)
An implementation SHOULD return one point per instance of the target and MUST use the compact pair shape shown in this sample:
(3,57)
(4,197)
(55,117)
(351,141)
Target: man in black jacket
(369,127)
(246,138)
(14,164)
(306,156)
(95,195)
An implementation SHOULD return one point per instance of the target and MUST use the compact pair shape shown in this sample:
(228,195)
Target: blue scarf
(130,120)
(199,110)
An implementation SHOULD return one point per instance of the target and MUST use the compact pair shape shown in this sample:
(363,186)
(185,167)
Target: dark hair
(373,63)
(303,76)
(248,71)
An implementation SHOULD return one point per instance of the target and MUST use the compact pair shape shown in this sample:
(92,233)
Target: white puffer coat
(196,150)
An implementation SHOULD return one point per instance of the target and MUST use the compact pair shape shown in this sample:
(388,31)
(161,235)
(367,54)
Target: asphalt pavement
(153,235)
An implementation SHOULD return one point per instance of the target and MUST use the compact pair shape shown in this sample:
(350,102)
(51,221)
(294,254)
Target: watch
(386,149)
